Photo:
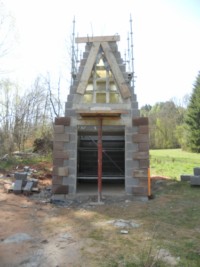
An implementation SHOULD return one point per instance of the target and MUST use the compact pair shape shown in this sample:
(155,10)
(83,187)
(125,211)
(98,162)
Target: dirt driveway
(122,232)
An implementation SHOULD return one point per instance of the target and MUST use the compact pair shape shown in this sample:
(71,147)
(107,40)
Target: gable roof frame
(118,76)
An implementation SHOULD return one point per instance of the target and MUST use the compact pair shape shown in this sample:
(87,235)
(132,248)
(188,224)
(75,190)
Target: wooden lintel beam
(88,39)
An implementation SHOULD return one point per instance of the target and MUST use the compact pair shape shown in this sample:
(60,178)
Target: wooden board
(88,39)
(123,87)
(101,113)
(88,69)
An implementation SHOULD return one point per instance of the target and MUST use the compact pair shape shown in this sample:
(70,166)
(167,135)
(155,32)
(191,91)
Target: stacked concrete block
(141,156)
(193,179)
(60,155)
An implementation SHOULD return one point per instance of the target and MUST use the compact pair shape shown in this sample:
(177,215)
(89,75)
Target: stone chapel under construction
(102,136)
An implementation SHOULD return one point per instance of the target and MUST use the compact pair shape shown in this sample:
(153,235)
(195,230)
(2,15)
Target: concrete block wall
(137,157)
(64,158)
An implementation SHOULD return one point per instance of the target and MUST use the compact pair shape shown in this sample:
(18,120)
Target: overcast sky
(166,40)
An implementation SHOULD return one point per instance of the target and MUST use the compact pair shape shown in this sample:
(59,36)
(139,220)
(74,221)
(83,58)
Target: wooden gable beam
(88,39)
(123,87)
(88,68)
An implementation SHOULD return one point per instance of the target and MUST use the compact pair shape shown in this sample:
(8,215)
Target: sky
(165,38)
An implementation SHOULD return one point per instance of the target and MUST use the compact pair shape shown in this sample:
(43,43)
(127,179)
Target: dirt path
(26,239)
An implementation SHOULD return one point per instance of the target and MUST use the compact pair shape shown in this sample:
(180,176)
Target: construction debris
(23,183)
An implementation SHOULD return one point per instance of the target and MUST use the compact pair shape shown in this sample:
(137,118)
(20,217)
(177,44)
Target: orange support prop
(149,183)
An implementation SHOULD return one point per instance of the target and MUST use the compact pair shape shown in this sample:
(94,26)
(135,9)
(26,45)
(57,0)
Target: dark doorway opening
(113,160)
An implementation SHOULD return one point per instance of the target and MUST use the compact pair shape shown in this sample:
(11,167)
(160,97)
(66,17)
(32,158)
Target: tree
(193,117)
(7,34)
(165,119)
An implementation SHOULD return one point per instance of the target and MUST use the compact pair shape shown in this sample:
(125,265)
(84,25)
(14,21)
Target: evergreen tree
(193,117)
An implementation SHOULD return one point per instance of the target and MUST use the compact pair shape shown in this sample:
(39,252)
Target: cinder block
(58,162)
(140,121)
(28,187)
(143,147)
(18,187)
(61,137)
(57,180)
(60,189)
(143,163)
(58,145)
(196,171)
(20,175)
(59,129)
(185,177)
(140,190)
(143,129)
(140,155)
(60,155)
(69,180)
(140,173)
(62,171)
(132,182)
(62,121)
(195,180)
(140,138)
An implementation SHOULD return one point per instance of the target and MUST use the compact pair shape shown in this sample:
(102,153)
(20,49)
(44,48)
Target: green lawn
(173,162)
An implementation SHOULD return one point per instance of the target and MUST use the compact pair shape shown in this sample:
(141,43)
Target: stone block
(61,137)
(60,155)
(60,189)
(185,177)
(59,129)
(196,171)
(195,180)
(62,121)
(140,121)
(140,155)
(140,138)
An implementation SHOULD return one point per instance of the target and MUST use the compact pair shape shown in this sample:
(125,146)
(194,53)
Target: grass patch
(173,162)
(12,162)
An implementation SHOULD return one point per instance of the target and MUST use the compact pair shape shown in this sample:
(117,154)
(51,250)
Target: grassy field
(173,162)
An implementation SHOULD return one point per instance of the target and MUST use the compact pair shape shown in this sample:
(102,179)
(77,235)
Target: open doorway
(113,161)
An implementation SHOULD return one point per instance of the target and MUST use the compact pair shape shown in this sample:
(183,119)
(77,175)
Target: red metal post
(99,159)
